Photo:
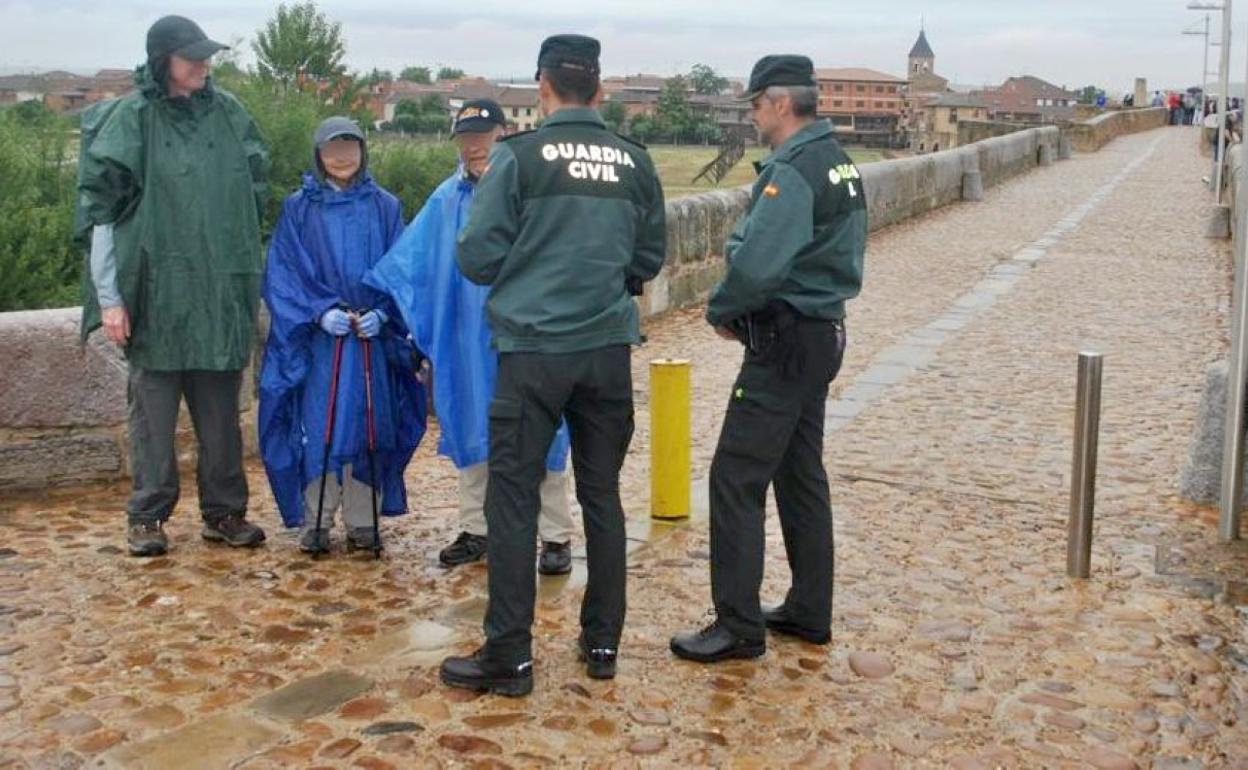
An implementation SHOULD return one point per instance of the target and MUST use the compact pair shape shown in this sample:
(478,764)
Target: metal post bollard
(1083,467)
(669,439)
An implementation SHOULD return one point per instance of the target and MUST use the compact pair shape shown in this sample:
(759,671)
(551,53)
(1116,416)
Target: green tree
(1087,94)
(673,114)
(423,116)
(299,42)
(704,80)
(643,128)
(450,73)
(416,75)
(41,264)
(615,115)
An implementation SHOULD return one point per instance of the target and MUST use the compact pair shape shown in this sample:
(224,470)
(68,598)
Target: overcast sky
(1072,43)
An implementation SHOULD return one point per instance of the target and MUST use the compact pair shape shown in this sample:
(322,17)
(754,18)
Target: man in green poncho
(170,179)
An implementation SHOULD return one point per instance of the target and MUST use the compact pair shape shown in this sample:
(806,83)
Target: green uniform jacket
(181,181)
(563,218)
(803,238)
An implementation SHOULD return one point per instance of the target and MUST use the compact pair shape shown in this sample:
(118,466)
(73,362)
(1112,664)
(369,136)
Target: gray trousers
(212,400)
(554,523)
(354,497)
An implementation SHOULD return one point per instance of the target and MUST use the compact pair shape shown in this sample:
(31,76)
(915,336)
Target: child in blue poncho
(331,232)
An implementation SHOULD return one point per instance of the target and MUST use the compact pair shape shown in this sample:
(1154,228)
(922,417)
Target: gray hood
(334,127)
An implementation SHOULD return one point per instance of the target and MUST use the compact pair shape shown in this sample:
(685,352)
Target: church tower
(922,59)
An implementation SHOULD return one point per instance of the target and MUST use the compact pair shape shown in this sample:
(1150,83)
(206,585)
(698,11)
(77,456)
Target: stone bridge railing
(63,407)
(1093,134)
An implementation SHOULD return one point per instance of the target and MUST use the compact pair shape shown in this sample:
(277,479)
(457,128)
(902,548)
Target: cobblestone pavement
(958,642)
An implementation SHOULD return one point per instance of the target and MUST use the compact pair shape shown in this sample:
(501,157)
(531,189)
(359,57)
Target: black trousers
(593,390)
(212,400)
(773,434)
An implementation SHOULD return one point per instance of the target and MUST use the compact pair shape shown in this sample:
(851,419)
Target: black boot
(779,620)
(466,548)
(715,643)
(556,558)
(484,675)
(599,661)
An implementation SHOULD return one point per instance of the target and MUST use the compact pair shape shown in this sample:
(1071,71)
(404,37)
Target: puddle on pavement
(421,643)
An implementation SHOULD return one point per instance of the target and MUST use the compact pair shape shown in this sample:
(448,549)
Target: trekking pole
(372,441)
(329,438)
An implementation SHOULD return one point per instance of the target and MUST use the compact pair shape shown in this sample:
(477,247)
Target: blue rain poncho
(446,315)
(325,241)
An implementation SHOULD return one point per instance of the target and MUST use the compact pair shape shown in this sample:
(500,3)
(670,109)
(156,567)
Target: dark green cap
(780,70)
(181,36)
(574,52)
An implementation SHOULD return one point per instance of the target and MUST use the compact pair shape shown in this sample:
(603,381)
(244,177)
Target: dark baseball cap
(779,70)
(574,52)
(181,36)
(478,116)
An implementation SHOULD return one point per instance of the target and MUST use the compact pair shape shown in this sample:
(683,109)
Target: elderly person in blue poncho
(446,315)
(331,232)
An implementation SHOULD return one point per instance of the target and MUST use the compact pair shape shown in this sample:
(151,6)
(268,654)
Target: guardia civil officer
(566,223)
(793,261)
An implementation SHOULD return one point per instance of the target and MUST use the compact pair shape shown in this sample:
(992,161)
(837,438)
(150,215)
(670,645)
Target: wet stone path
(957,641)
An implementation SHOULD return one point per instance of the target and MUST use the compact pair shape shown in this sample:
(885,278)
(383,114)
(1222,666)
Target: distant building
(936,126)
(1028,99)
(864,106)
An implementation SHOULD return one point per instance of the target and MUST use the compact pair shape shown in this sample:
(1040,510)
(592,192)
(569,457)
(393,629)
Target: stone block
(313,696)
(44,461)
(1219,226)
(211,744)
(48,380)
(972,186)
(1201,478)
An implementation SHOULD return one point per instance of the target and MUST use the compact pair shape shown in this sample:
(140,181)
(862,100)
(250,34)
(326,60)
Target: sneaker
(484,675)
(363,539)
(147,538)
(467,548)
(715,643)
(314,541)
(599,661)
(233,530)
(556,558)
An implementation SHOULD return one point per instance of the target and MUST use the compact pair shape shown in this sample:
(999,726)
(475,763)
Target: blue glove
(335,322)
(369,324)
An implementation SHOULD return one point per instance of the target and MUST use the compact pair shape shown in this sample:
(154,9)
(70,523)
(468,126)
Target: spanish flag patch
(771,190)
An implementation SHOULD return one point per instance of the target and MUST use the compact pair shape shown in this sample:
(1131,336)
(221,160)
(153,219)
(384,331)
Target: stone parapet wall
(62,406)
(1093,134)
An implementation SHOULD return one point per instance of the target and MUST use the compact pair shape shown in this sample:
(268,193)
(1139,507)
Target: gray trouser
(355,497)
(212,400)
(554,523)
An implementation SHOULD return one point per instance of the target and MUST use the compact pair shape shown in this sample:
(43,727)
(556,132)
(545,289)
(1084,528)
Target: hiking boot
(599,661)
(466,548)
(485,675)
(556,558)
(779,620)
(147,538)
(363,539)
(314,541)
(233,530)
(715,643)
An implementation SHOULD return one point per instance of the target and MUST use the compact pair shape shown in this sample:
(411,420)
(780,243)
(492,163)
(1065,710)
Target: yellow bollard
(669,439)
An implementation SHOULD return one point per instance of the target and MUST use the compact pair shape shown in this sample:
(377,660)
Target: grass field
(678,166)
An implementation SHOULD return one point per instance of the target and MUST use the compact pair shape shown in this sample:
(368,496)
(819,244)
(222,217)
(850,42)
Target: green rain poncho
(181,180)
